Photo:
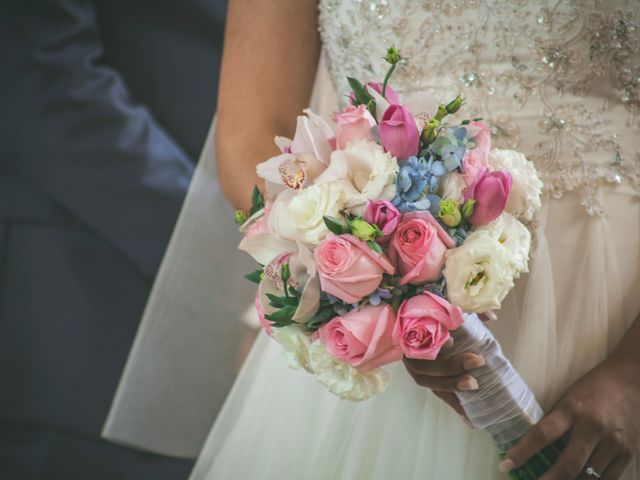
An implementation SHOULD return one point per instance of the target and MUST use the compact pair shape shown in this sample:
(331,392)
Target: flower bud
(393,56)
(241,217)
(450,213)
(468,208)
(364,230)
(453,106)
(430,131)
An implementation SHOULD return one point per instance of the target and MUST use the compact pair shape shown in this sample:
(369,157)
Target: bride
(560,81)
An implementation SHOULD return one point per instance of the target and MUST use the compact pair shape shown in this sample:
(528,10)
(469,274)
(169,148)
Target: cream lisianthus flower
(514,236)
(369,170)
(451,187)
(342,379)
(295,343)
(524,198)
(479,273)
(298,215)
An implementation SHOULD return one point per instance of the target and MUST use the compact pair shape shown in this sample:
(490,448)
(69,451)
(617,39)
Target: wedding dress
(558,80)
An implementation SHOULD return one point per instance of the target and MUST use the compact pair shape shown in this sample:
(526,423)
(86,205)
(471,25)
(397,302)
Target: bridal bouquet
(383,237)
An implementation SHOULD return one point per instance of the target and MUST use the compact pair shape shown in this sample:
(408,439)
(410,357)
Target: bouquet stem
(504,406)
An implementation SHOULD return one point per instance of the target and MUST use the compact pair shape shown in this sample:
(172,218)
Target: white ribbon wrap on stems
(504,406)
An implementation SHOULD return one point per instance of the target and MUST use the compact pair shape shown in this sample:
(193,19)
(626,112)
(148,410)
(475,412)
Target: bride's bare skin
(268,68)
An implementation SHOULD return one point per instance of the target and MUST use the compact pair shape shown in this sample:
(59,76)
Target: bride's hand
(447,375)
(600,413)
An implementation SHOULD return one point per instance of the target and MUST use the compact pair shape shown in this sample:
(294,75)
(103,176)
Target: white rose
(451,187)
(299,215)
(514,236)
(369,171)
(295,344)
(344,380)
(524,199)
(479,273)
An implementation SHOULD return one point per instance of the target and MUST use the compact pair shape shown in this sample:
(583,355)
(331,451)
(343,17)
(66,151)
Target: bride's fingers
(446,384)
(488,316)
(446,367)
(600,459)
(573,459)
(545,432)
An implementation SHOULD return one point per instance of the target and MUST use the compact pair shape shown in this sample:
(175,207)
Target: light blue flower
(450,147)
(380,294)
(417,183)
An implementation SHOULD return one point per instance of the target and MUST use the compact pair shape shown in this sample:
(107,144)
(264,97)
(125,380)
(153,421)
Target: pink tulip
(423,324)
(362,337)
(383,214)
(399,132)
(348,268)
(418,248)
(354,123)
(491,192)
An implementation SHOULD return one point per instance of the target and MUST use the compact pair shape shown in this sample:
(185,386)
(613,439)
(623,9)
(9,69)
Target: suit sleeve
(69,127)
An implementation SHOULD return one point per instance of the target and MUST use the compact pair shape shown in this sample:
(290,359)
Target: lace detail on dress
(559,80)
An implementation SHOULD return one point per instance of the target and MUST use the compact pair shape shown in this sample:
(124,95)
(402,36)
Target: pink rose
(348,268)
(417,248)
(354,123)
(423,324)
(399,132)
(491,192)
(383,214)
(390,95)
(261,225)
(476,160)
(362,337)
(266,324)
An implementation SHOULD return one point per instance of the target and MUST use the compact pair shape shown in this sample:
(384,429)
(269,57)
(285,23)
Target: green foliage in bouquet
(287,304)
(257,204)
(357,227)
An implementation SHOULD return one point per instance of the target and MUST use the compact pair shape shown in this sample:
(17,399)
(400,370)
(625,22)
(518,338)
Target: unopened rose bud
(450,213)
(364,230)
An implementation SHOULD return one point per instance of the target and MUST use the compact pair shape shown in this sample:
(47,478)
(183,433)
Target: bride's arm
(269,63)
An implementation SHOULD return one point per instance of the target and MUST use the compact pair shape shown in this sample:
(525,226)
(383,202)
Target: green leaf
(285,314)
(280,302)
(360,92)
(257,201)
(375,247)
(321,317)
(255,276)
(334,225)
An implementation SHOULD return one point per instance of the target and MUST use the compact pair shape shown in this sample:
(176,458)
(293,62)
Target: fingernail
(506,465)
(473,363)
(469,383)
(491,316)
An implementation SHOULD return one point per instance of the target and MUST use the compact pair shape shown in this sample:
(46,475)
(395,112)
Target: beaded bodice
(558,80)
